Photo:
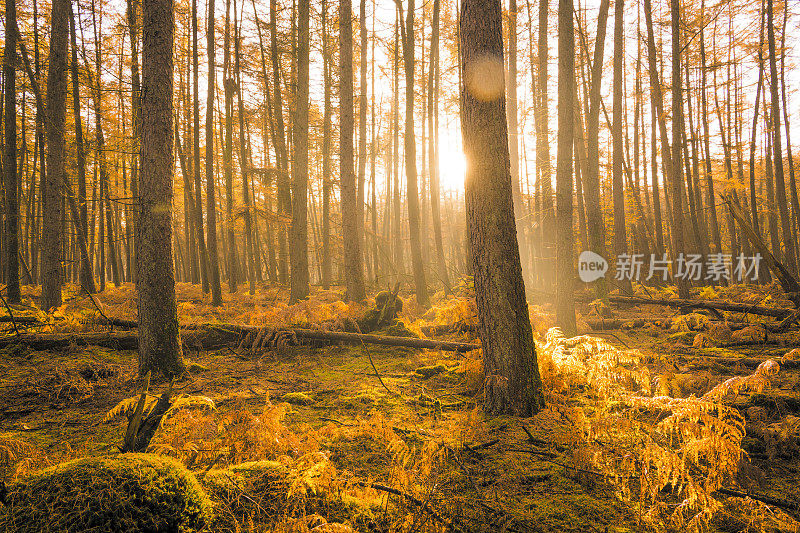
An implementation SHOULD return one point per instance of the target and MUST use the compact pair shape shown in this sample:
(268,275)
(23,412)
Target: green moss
(128,492)
(298,398)
(429,371)
(398,329)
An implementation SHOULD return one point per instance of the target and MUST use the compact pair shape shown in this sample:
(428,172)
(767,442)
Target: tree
(86,278)
(620,234)
(513,384)
(565,273)
(198,209)
(10,181)
(159,338)
(594,213)
(677,133)
(211,209)
(298,246)
(55,119)
(780,183)
(434,77)
(409,143)
(326,152)
(353,269)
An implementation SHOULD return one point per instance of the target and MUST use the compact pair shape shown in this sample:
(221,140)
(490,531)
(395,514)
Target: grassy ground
(487,473)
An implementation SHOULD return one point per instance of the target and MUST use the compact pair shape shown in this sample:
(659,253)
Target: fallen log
(351,338)
(60,341)
(777,312)
(210,336)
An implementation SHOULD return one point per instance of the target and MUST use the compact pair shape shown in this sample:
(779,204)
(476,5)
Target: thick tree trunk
(159,338)
(299,235)
(513,384)
(55,118)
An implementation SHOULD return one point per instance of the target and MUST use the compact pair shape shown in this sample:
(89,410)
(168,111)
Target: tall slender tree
(677,132)
(10,181)
(410,145)
(353,268)
(299,237)
(620,233)
(565,274)
(211,195)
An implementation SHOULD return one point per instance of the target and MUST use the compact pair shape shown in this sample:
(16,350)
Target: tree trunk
(433,149)
(136,115)
(228,85)
(677,131)
(159,338)
(211,196)
(513,384)
(284,200)
(565,270)
(244,164)
(618,194)
(780,182)
(10,181)
(409,138)
(326,153)
(299,236)
(353,269)
(55,118)
(594,213)
(198,210)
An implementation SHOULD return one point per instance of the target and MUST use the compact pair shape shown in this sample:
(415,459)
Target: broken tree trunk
(776,312)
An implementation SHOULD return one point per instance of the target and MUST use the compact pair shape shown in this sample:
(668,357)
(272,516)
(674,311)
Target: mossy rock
(427,372)
(398,329)
(128,492)
(298,398)
(266,481)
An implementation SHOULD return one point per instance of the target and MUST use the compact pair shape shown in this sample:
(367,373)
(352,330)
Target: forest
(399,266)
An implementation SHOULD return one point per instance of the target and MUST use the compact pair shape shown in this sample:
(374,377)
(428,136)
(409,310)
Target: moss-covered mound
(129,492)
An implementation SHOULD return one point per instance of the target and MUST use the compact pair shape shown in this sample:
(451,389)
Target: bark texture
(513,384)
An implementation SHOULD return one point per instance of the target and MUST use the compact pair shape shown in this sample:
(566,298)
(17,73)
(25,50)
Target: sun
(452,167)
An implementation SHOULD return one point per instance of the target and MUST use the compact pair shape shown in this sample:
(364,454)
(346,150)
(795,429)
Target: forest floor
(417,426)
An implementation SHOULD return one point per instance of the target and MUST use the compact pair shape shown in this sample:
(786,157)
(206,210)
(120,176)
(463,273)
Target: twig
(613,335)
(369,355)
(10,314)
(413,499)
(110,322)
(326,419)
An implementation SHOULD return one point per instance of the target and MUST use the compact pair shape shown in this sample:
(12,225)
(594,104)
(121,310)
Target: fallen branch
(777,312)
